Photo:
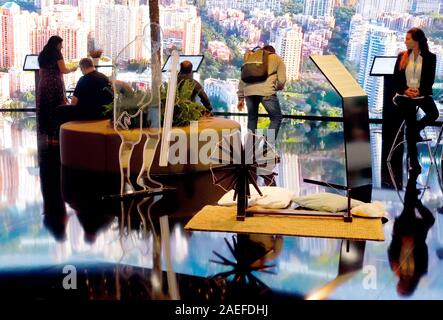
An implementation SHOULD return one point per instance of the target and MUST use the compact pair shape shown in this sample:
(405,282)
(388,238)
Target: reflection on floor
(52,218)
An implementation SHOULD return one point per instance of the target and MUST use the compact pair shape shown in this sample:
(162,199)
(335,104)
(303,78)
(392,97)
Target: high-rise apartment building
(46,6)
(75,40)
(6,38)
(113,29)
(21,27)
(14,39)
(186,26)
(346,3)
(73,33)
(4,87)
(117,26)
(245,5)
(370,9)
(87,12)
(319,8)
(357,35)
(288,45)
(425,6)
(192,40)
(379,41)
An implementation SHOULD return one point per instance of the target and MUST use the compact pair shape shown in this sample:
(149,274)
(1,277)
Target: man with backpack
(263,74)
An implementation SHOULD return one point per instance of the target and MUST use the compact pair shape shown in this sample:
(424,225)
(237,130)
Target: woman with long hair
(51,90)
(414,76)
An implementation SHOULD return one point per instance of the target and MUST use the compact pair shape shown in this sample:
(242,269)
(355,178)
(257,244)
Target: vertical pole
(242,200)
(348,216)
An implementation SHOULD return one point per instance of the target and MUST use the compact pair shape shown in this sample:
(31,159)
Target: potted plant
(185,109)
(95,55)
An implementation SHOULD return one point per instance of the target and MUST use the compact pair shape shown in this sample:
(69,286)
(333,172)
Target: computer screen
(31,63)
(195,59)
(383,65)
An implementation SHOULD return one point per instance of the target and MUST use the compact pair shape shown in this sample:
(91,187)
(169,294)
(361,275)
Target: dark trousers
(271,105)
(408,110)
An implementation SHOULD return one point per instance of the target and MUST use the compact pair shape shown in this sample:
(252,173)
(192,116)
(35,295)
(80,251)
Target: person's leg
(252,103)
(428,106)
(272,106)
(408,111)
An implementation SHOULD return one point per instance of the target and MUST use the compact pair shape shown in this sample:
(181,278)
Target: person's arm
(281,74)
(62,67)
(77,92)
(203,96)
(241,95)
(74,101)
(427,81)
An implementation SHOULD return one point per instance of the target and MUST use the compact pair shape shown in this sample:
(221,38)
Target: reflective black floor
(52,220)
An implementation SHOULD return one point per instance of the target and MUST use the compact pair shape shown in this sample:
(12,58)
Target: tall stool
(432,156)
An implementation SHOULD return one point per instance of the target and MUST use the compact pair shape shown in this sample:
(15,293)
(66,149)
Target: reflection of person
(93,222)
(186,74)
(408,252)
(264,93)
(51,87)
(54,209)
(92,92)
(83,190)
(413,78)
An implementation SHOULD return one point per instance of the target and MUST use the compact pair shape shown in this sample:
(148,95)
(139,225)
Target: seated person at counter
(186,74)
(92,92)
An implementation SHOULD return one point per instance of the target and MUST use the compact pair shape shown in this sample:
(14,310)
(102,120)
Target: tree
(339,40)
(154,16)
(293,6)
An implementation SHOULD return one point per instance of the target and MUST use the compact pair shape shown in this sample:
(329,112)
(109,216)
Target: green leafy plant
(129,101)
(185,109)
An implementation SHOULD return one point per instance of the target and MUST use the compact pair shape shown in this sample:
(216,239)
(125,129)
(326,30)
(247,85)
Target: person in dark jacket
(186,74)
(414,76)
(92,92)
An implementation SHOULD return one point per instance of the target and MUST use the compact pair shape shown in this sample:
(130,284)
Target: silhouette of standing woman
(51,87)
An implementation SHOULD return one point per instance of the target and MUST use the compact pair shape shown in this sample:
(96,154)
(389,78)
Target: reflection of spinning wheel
(242,165)
(248,258)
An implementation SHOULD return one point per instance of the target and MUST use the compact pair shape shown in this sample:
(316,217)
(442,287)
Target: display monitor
(383,65)
(31,63)
(195,59)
